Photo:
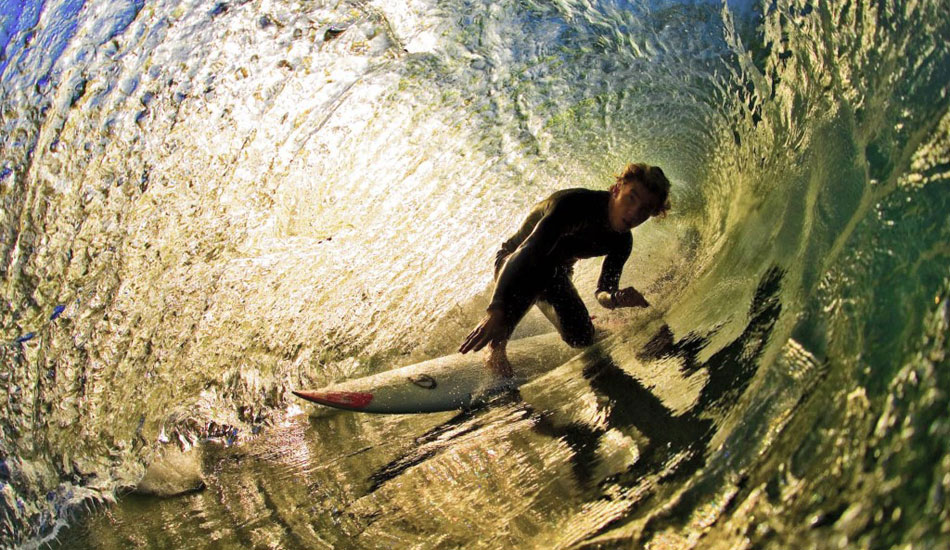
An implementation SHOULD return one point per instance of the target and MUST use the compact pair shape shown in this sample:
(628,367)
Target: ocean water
(207,204)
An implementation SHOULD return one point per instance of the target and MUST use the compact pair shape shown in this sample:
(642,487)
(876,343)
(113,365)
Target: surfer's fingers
(469,342)
(479,340)
(482,342)
(485,332)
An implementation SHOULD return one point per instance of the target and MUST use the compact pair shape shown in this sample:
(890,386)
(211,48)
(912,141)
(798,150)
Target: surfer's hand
(491,329)
(630,297)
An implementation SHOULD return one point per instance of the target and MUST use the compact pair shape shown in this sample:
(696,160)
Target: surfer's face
(631,204)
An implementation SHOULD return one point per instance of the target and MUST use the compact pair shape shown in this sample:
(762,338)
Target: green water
(233,200)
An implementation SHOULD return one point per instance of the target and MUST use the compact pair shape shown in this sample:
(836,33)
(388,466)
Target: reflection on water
(505,475)
(206,205)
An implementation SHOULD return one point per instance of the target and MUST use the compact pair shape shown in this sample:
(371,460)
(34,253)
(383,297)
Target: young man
(536,264)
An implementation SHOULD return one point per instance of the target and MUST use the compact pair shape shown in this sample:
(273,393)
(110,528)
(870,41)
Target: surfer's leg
(563,306)
(497,360)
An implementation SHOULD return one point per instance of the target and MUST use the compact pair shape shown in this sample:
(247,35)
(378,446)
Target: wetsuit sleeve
(523,271)
(613,266)
(519,237)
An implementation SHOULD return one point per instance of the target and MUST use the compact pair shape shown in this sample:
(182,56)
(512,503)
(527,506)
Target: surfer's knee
(580,338)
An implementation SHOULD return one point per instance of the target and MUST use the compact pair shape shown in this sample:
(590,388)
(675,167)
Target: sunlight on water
(206,205)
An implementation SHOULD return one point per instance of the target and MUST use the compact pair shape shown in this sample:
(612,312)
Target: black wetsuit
(537,262)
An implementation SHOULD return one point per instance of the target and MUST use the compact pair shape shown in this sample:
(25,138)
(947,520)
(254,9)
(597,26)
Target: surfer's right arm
(522,272)
(512,244)
(516,274)
(492,329)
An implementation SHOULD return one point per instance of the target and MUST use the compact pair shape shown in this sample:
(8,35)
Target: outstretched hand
(630,297)
(490,329)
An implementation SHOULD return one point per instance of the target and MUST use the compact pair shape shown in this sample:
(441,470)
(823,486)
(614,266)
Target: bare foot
(502,379)
(498,363)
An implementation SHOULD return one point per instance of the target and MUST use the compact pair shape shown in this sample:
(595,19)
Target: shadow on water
(634,409)
(730,370)
(435,441)
(531,459)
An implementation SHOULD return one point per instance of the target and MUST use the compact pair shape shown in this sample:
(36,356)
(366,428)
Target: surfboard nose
(352,400)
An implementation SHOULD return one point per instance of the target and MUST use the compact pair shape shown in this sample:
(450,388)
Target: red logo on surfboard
(344,399)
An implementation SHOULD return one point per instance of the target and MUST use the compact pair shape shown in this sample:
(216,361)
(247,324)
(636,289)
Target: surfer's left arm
(607,293)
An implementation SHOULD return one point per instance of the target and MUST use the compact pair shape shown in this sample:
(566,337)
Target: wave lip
(232,200)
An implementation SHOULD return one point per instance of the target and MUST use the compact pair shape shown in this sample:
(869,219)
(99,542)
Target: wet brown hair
(653,179)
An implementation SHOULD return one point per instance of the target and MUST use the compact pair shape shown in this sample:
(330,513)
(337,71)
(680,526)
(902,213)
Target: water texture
(206,205)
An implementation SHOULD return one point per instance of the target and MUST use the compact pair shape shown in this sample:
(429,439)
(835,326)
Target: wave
(206,205)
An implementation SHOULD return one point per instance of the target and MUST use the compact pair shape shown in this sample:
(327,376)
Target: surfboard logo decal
(423,381)
(343,399)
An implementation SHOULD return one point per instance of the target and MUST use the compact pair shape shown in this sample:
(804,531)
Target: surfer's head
(640,192)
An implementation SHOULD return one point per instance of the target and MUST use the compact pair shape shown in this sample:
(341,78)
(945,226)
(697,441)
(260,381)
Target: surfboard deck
(441,384)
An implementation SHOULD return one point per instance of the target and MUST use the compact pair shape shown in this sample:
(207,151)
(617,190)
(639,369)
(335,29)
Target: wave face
(205,205)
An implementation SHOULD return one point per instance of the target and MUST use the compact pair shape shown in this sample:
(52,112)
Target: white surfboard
(441,384)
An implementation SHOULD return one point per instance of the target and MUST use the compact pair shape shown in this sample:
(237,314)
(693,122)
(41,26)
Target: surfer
(535,265)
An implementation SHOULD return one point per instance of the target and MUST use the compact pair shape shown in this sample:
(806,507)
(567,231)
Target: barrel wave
(207,205)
